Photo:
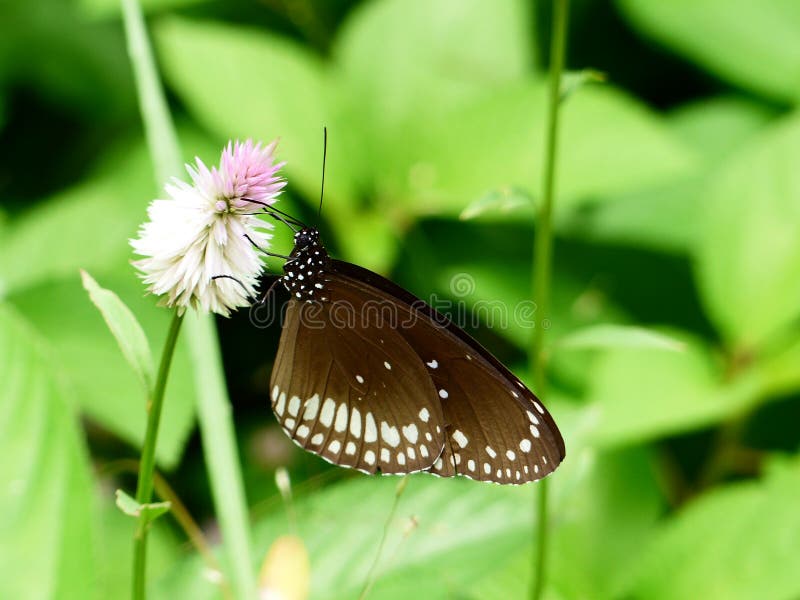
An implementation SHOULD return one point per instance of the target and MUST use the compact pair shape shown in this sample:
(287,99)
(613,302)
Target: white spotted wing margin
(348,387)
(496,429)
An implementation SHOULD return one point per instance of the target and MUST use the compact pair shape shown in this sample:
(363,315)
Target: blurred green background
(678,210)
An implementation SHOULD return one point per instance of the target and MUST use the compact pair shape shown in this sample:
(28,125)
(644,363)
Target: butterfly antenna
(324,158)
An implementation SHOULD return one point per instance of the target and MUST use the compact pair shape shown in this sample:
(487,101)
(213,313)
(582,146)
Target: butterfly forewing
(348,387)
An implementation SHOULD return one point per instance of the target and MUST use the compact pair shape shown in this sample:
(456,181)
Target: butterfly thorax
(304,271)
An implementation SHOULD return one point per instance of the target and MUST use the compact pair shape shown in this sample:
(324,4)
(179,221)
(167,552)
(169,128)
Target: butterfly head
(304,272)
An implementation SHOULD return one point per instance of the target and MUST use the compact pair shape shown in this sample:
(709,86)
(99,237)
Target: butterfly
(370,377)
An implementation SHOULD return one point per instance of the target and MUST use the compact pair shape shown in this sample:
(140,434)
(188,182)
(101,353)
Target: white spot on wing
(510,454)
(525,445)
(341,418)
(443,394)
(294,406)
(359,379)
(350,448)
(460,438)
(411,433)
(387,365)
(326,415)
(370,429)
(385,456)
(317,439)
(302,431)
(369,457)
(433,364)
(312,405)
(390,434)
(424,415)
(281,405)
(538,407)
(335,446)
(355,423)
(490,451)
(471,465)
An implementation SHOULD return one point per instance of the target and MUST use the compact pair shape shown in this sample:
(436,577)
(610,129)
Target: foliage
(674,341)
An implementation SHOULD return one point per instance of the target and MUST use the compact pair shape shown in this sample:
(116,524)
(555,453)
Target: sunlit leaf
(606,335)
(748,255)
(125,328)
(666,217)
(735,39)
(107,389)
(128,505)
(285,572)
(503,201)
(496,142)
(46,508)
(737,542)
(644,393)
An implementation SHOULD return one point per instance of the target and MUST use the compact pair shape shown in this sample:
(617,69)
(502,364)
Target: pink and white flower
(201,231)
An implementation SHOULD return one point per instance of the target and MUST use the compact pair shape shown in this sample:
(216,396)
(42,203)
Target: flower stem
(144,487)
(219,446)
(542,266)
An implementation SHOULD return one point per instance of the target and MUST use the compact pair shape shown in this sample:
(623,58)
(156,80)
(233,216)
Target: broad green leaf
(405,64)
(643,393)
(737,542)
(107,389)
(46,506)
(266,87)
(716,127)
(496,142)
(446,534)
(596,536)
(748,256)
(666,217)
(125,328)
(607,335)
(753,44)
(128,505)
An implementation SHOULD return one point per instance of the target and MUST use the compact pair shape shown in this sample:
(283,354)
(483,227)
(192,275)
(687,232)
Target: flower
(202,230)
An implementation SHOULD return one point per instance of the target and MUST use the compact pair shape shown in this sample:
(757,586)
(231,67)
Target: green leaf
(115,556)
(444,529)
(572,81)
(46,508)
(132,508)
(495,142)
(606,512)
(642,393)
(405,64)
(125,328)
(737,542)
(503,201)
(606,335)
(748,256)
(268,87)
(717,126)
(666,217)
(107,389)
(753,44)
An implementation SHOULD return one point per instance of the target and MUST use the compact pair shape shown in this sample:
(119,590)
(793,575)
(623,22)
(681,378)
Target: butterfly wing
(496,428)
(348,387)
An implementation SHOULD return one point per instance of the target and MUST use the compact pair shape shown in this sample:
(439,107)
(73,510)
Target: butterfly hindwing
(348,387)
(496,428)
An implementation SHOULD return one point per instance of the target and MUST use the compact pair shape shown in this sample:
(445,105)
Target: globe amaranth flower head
(201,231)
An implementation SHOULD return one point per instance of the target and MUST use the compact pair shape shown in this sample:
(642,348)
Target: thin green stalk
(372,573)
(144,487)
(542,266)
(219,446)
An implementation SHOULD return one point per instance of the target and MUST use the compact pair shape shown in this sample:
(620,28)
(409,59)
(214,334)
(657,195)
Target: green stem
(144,487)
(219,446)
(542,266)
